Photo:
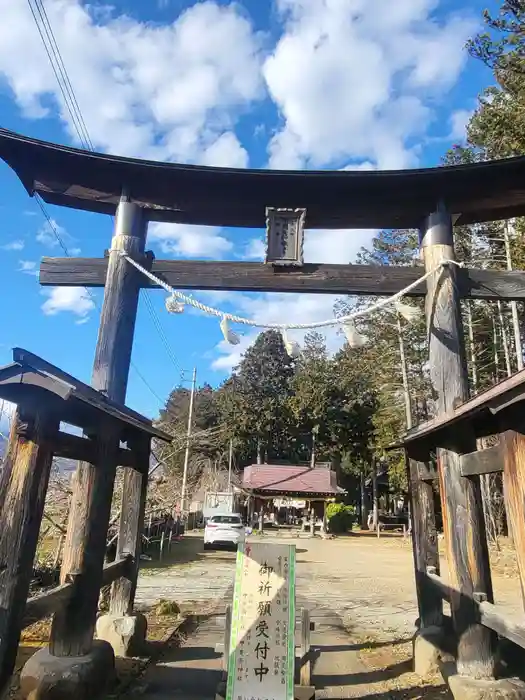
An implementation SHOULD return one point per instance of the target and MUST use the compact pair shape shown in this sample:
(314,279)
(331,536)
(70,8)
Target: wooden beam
(507,626)
(84,549)
(489,615)
(131,523)
(82,448)
(23,485)
(427,471)
(435,580)
(258,277)
(487,461)
(47,603)
(513,450)
(463,518)
(425,546)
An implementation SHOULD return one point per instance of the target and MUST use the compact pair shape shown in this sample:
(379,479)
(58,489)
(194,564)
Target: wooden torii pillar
(84,549)
(462,509)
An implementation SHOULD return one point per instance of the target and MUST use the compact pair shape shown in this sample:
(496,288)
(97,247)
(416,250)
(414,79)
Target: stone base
(126,633)
(427,646)
(47,677)
(465,688)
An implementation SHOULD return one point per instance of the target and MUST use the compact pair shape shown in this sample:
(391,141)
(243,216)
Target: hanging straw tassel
(229,336)
(354,338)
(409,313)
(291,346)
(173,305)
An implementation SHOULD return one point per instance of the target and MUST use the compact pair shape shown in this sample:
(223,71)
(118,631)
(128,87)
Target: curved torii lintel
(203,195)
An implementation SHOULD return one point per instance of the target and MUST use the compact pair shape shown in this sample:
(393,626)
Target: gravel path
(368,583)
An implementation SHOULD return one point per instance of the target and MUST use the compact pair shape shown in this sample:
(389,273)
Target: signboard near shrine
(262,644)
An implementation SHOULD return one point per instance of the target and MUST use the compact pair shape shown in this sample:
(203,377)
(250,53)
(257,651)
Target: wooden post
(305,672)
(424,547)
(23,486)
(72,630)
(131,522)
(514,477)
(227,637)
(85,547)
(464,525)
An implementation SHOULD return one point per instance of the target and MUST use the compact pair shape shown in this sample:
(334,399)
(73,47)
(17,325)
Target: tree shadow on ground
(186,551)
(427,692)
(362,678)
(371,535)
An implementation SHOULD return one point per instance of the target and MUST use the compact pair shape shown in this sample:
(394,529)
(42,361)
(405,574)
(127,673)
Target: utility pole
(508,227)
(188,436)
(230,462)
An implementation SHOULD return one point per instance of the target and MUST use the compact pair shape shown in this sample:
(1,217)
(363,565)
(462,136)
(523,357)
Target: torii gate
(431,200)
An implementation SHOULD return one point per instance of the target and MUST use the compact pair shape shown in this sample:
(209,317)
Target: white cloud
(458,123)
(225,151)
(73,299)
(189,241)
(14,245)
(46,236)
(255,249)
(168,92)
(277,308)
(335,246)
(358,80)
(28,266)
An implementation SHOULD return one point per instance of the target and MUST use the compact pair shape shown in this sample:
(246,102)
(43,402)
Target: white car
(227,529)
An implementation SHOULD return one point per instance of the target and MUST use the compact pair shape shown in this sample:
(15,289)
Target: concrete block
(47,677)
(125,633)
(427,646)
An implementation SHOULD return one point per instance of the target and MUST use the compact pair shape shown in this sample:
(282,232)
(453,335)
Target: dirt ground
(365,583)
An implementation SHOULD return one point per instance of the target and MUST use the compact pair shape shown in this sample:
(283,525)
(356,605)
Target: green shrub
(167,607)
(340,517)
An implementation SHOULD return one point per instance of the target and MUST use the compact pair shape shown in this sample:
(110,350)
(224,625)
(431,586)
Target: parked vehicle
(220,503)
(225,529)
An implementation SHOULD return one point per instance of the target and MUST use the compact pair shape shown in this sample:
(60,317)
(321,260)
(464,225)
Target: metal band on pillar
(437,228)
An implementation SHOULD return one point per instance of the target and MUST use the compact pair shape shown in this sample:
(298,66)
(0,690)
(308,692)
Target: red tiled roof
(280,478)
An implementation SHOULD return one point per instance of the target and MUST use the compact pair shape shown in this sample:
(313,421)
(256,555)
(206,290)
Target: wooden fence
(477,620)
(45,398)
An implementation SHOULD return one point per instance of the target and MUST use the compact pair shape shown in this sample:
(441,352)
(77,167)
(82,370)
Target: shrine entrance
(285,203)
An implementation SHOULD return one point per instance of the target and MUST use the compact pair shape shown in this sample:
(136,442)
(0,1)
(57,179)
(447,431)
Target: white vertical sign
(262,645)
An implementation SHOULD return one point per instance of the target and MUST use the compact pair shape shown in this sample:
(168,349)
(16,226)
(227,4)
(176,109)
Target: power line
(59,69)
(55,58)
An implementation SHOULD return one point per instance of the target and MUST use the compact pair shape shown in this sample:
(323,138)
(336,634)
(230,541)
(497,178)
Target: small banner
(262,644)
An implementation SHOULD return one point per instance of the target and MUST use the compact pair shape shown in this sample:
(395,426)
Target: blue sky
(282,84)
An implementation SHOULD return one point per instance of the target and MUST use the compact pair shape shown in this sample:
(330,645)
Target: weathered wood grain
(487,461)
(305,669)
(427,471)
(503,624)
(443,589)
(513,450)
(259,277)
(424,545)
(463,521)
(23,484)
(82,448)
(84,550)
(496,400)
(45,604)
(131,522)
